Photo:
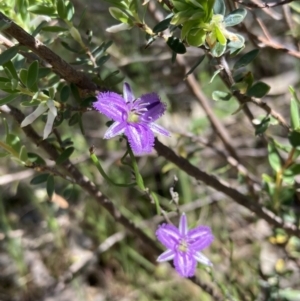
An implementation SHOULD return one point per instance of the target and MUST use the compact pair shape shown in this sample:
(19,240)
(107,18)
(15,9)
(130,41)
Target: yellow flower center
(183,246)
(133,117)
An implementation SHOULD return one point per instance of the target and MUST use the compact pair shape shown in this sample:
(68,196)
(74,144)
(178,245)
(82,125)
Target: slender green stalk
(140,181)
(104,175)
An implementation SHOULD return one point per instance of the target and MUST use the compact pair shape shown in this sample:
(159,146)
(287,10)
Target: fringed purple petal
(200,238)
(168,235)
(112,105)
(166,256)
(127,93)
(202,259)
(158,129)
(117,128)
(183,226)
(155,108)
(185,264)
(140,137)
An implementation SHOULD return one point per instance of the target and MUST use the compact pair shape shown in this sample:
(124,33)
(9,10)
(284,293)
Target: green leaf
(237,45)
(176,45)
(246,59)
(75,92)
(198,62)
(8,54)
(293,170)
(74,119)
(235,17)
(42,178)
(196,37)
(113,79)
(61,9)
(38,29)
(50,186)
(294,138)
(32,74)
(14,142)
(219,7)
(35,158)
(23,154)
(119,15)
(68,47)
(179,5)
(218,50)
(163,25)
(220,36)
(30,103)
(9,98)
(294,94)
(87,102)
(196,3)
(294,112)
(215,74)
(64,155)
(64,93)
(43,72)
(23,76)
(259,90)
(220,95)
(70,11)
(262,126)
(182,16)
(274,158)
(102,60)
(39,9)
(10,70)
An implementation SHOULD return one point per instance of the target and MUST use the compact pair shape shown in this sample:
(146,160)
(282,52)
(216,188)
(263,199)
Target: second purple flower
(133,117)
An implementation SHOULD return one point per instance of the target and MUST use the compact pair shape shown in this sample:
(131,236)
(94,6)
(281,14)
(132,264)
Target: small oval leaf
(163,25)
(294,138)
(9,98)
(259,90)
(294,112)
(41,10)
(221,96)
(64,93)
(246,59)
(32,74)
(176,45)
(235,17)
(8,54)
(50,186)
(273,157)
(64,155)
(42,178)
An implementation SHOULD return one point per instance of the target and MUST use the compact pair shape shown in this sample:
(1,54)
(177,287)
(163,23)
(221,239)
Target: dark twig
(243,99)
(59,65)
(222,186)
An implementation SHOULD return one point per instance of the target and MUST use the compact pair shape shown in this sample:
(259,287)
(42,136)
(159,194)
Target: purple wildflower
(184,245)
(133,117)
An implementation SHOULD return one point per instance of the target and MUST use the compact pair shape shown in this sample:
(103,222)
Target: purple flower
(133,117)
(184,246)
